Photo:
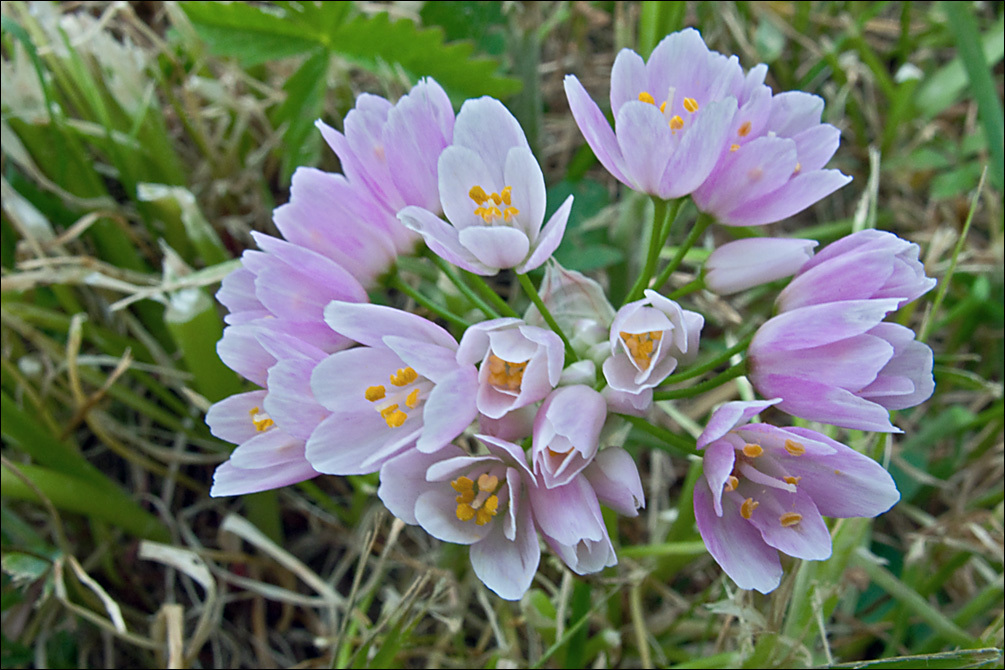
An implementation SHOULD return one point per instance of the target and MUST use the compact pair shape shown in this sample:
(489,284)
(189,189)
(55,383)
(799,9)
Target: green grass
(143,142)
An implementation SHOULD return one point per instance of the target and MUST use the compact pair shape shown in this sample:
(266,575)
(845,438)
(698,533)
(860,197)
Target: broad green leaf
(305,96)
(252,34)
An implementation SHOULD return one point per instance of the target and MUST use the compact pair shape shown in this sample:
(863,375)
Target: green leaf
(305,97)
(373,40)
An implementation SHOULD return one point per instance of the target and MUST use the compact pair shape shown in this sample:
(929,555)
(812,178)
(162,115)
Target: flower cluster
(503,434)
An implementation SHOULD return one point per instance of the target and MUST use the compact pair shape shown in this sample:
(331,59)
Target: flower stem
(688,288)
(397,283)
(712,363)
(692,391)
(677,443)
(489,295)
(664,212)
(465,290)
(528,288)
(703,222)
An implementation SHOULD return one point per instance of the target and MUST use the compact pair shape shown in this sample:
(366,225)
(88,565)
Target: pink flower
(648,339)
(493,195)
(403,387)
(567,433)
(742,264)
(766,490)
(520,364)
(672,115)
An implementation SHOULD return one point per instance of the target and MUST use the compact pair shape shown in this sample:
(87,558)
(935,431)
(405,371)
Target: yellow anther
(731,483)
(413,399)
(748,507)
(505,374)
(487,482)
(752,450)
(791,480)
(465,512)
(477,193)
(691,105)
(794,448)
(404,377)
(645,97)
(790,519)
(734,147)
(261,420)
(663,107)
(487,511)
(676,122)
(641,346)
(462,484)
(375,393)
(393,416)
(799,166)
(510,213)
(507,195)
(744,129)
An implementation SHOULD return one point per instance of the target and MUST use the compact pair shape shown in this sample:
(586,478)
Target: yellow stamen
(799,166)
(487,511)
(645,97)
(487,482)
(393,416)
(261,420)
(734,147)
(477,193)
(465,512)
(790,519)
(744,129)
(676,122)
(404,377)
(748,507)
(507,195)
(791,480)
(752,450)
(641,346)
(413,399)
(481,507)
(505,374)
(731,483)
(510,213)
(375,393)
(794,448)
(691,105)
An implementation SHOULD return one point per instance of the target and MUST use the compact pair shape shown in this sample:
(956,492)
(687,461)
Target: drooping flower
(829,355)
(742,264)
(774,164)
(403,387)
(520,364)
(867,265)
(493,195)
(672,115)
(766,490)
(567,433)
(479,501)
(648,339)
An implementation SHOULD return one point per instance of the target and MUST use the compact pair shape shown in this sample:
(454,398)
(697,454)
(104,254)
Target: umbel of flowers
(496,433)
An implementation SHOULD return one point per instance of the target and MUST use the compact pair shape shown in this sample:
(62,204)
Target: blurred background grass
(143,141)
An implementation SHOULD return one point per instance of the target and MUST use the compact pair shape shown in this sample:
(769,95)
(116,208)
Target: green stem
(710,364)
(678,444)
(703,222)
(528,288)
(465,290)
(489,295)
(688,288)
(660,208)
(692,391)
(397,283)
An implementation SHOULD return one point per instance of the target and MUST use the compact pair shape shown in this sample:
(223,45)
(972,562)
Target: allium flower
(829,355)
(870,264)
(648,338)
(672,115)
(389,154)
(520,364)
(742,264)
(492,192)
(766,490)
(773,167)
(475,500)
(567,433)
(282,289)
(579,306)
(839,363)
(269,426)
(402,387)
